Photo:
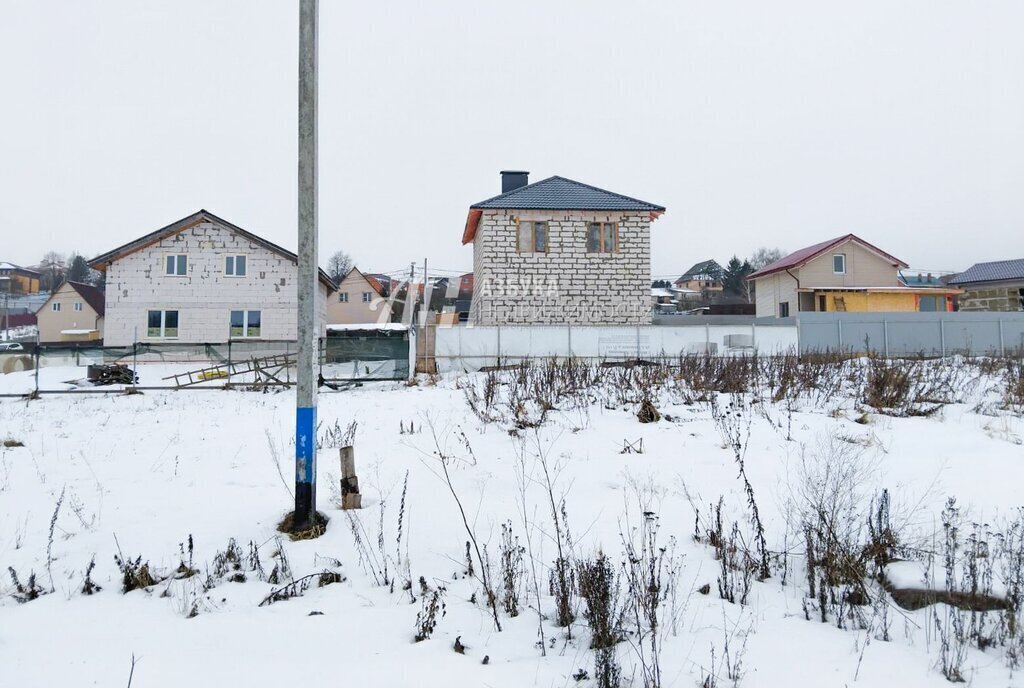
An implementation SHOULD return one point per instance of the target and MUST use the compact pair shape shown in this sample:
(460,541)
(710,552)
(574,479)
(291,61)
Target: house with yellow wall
(73,313)
(18,280)
(842,274)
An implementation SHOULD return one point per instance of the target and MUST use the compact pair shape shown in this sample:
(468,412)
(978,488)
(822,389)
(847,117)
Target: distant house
(704,277)
(202,279)
(559,251)
(995,286)
(73,313)
(18,280)
(842,274)
(360,299)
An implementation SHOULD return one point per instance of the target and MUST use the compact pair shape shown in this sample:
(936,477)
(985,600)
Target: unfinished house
(560,252)
(995,286)
(202,280)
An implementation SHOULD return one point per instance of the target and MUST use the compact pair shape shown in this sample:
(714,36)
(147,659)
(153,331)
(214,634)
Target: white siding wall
(205,296)
(773,290)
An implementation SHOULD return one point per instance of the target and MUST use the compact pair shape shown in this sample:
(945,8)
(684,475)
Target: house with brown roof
(842,274)
(361,298)
(202,279)
(73,313)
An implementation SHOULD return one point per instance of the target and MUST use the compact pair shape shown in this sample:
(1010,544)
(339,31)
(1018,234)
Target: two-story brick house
(560,252)
(202,279)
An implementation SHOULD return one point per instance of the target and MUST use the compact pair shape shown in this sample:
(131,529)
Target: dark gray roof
(705,267)
(992,272)
(559,193)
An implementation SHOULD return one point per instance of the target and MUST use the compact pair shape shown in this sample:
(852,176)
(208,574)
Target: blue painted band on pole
(305,444)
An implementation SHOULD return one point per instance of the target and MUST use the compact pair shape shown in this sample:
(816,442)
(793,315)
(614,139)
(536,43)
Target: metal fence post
(499,345)
(753,335)
(942,336)
(1002,348)
(568,328)
(839,323)
(637,342)
(885,336)
(36,393)
(707,337)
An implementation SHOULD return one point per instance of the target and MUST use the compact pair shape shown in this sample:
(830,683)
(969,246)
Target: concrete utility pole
(309,334)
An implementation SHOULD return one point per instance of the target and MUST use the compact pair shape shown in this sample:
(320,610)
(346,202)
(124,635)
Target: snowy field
(172,477)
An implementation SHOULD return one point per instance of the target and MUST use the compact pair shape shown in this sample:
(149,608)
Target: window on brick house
(602,237)
(533,237)
(163,324)
(176,265)
(234,266)
(245,323)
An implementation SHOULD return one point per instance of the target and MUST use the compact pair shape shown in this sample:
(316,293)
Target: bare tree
(764,256)
(338,265)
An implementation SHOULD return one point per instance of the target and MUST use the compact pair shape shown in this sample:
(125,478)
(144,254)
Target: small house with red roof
(842,274)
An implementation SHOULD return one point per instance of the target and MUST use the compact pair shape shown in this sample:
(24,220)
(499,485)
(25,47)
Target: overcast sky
(755,123)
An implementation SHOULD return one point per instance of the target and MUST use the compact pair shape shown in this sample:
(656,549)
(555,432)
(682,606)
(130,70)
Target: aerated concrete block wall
(205,296)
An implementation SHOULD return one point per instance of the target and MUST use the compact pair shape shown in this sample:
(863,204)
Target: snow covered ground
(138,476)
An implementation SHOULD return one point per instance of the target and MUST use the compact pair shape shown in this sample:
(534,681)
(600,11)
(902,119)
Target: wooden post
(350,497)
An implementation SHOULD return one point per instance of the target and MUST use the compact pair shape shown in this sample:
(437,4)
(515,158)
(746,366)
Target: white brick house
(560,252)
(201,279)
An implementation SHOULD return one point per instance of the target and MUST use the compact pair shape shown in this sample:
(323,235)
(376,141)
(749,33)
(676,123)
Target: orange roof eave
(472,222)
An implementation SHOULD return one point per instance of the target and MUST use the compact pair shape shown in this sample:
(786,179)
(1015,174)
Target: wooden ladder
(840,303)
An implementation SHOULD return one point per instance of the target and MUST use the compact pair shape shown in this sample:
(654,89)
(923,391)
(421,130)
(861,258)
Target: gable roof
(90,294)
(805,255)
(370,279)
(705,267)
(556,193)
(994,271)
(18,268)
(101,262)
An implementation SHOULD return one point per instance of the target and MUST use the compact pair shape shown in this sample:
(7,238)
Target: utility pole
(308,332)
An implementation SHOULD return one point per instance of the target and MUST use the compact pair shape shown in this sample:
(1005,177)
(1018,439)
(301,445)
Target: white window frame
(367,297)
(168,273)
(245,323)
(78,306)
(55,306)
(342,297)
(838,255)
(233,258)
(163,323)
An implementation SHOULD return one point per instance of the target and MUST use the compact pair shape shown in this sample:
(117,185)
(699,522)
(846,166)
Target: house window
(245,323)
(234,266)
(162,324)
(55,306)
(602,237)
(78,306)
(1020,294)
(784,309)
(367,296)
(839,264)
(176,265)
(930,304)
(533,237)
(342,297)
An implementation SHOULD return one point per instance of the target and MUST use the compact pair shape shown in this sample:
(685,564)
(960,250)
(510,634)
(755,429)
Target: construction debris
(111,374)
